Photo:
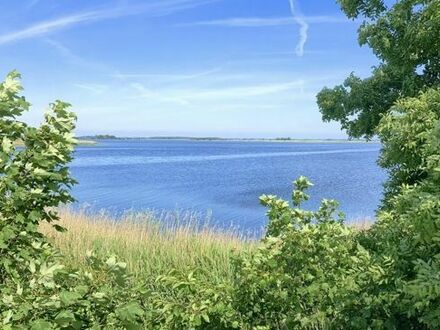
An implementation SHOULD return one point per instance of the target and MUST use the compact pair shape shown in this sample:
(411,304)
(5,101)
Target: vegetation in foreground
(309,271)
(151,248)
(150,244)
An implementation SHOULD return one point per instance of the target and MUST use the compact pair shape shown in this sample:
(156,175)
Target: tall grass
(150,246)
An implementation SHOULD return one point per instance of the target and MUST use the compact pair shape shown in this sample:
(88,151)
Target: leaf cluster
(404,37)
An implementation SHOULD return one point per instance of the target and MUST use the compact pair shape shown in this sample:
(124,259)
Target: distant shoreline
(97,138)
(80,142)
(83,142)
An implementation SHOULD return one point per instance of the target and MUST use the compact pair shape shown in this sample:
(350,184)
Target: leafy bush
(187,302)
(37,291)
(312,271)
(412,220)
(403,35)
(299,268)
(406,134)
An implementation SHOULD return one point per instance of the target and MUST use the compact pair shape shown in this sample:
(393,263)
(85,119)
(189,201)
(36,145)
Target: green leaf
(69,298)
(129,312)
(64,318)
(41,325)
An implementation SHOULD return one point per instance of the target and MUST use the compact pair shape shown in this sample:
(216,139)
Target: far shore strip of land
(80,142)
(189,138)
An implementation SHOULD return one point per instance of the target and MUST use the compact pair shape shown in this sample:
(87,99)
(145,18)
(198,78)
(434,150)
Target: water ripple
(139,160)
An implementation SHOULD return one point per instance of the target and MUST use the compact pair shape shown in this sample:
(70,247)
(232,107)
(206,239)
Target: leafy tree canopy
(405,37)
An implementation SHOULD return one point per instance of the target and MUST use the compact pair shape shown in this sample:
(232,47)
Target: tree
(405,38)
(37,291)
(33,179)
(406,133)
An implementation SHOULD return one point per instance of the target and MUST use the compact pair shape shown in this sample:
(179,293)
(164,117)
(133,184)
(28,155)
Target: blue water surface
(224,178)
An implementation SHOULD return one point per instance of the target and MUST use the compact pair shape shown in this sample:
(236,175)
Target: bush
(37,291)
(406,134)
(412,220)
(311,271)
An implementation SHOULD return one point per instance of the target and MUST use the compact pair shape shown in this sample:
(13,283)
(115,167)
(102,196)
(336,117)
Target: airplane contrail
(303,28)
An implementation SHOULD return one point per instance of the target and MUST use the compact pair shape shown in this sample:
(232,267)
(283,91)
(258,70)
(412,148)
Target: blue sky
(232,68)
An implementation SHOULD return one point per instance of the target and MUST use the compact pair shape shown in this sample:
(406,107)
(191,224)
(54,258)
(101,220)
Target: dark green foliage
(186,302)
(405,38)
(413,218)
(406,134)
(401,103)
(293,278)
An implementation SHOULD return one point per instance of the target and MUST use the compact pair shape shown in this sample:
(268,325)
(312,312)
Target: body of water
(224,178)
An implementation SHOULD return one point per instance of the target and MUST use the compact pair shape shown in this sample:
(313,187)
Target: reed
(151,245)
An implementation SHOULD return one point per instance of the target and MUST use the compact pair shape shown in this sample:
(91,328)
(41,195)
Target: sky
(228,68)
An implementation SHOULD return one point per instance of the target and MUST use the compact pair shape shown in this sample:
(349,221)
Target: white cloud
(185,96)
(240,91)
(158,8)
(46,27)
(303,28)
(94,88)
(69,56)
(267,21)
(165,77)
(157,96)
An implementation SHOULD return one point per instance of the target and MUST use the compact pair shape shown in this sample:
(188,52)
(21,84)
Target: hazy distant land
(91,139)
(81,142)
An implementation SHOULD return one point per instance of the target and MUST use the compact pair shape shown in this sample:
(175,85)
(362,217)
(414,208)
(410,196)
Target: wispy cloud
(185,96)
(71,57)
(154,95)
(267,21)
(94,88)
(296,18)
(241,91)
(43,28)
(303,28)
(158,8)
(165,76)
(32,3)
(67,54)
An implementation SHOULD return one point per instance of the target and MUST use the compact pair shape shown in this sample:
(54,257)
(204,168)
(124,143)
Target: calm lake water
(224,178)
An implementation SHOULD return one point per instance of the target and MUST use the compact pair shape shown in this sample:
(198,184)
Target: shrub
(187,302)
(37,291)
(295,275)
(406,134)
(311,271)
(412,220)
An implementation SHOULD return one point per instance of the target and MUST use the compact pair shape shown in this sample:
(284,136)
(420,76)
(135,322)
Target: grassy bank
(148,248)
(151,248)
